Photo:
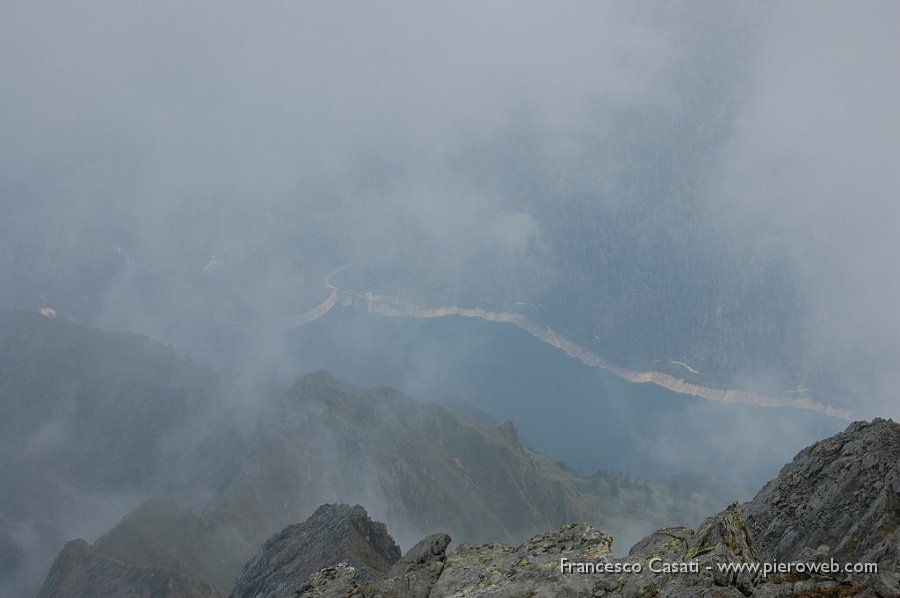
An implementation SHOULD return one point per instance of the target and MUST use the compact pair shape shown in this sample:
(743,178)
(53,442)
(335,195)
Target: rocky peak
(333,534)
(281,567)
(842,493)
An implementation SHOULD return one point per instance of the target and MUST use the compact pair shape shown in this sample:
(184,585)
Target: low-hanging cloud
(810,170)
(168,163)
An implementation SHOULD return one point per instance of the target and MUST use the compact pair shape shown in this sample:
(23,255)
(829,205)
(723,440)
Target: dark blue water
(586,417)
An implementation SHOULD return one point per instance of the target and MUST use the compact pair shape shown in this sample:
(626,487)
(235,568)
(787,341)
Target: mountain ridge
(128,420)
(576,560)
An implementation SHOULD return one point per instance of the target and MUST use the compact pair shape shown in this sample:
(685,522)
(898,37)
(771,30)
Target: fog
(165,166)
(699,184)
(812,167)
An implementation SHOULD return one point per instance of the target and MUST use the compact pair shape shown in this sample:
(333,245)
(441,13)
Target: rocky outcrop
(838,499)
(576,560)
(333,534)
(842,492)
(340,551)
(413,577)
(417,572)
(81,572)
(531,569)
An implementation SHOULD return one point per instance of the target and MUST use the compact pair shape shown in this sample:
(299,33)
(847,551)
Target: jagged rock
(838,499)
(339,581)
(426,553)
(801,516)
(81,572)
(842,492)
(413,577)
(536,567)
(531,569)
(333,534)
(692,557)
(416,573)
(674,562)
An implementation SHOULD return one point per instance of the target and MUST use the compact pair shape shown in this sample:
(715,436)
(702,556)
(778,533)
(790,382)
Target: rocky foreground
(837,502)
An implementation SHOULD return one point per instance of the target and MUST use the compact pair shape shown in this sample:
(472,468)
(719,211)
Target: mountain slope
(84,420)
(94,423)
(778,526)
(79,570)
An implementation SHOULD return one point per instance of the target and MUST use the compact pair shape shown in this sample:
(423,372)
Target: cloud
(454,145)
(163,164)
(171,133)
(810,170)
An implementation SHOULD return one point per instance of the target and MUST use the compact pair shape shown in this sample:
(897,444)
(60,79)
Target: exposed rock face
(536,567)
(81,572)
(332,582)
(357,552)
(674,562)
(413,577)
(531,569)
(333,534)
(416,573)
(724,538)
(842,492)
(843,489)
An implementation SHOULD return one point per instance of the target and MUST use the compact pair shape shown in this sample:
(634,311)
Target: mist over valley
(483,269)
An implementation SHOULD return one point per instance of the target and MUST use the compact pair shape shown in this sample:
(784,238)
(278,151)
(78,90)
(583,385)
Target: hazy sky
(156,137)
(813,165)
